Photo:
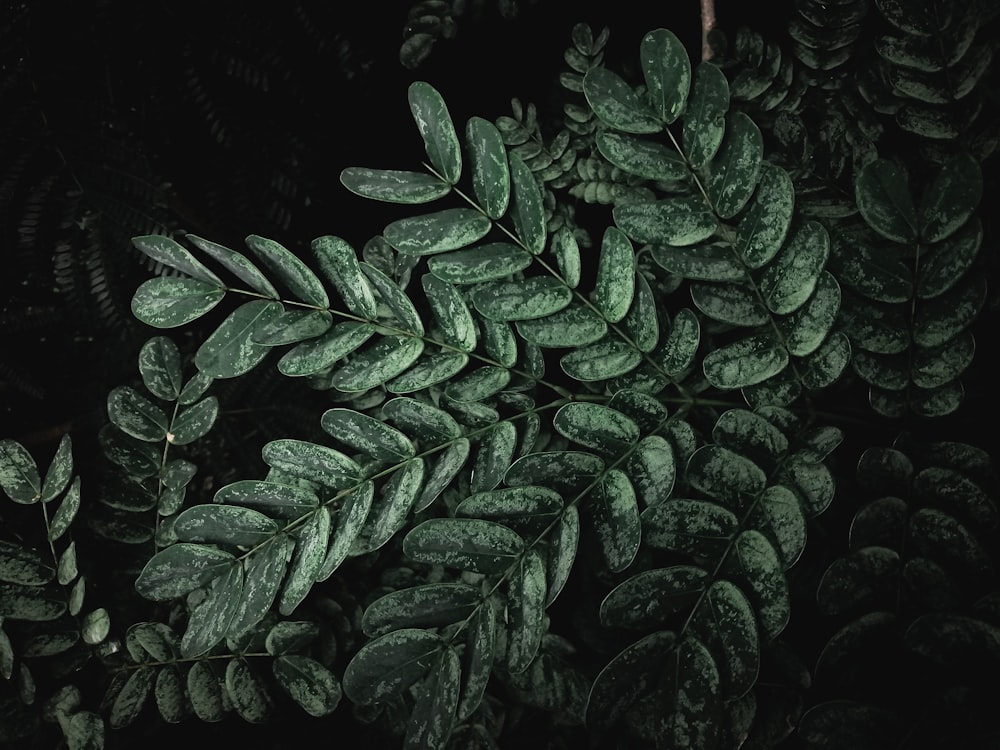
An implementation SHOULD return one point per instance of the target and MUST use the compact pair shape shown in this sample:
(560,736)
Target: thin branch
(707,24)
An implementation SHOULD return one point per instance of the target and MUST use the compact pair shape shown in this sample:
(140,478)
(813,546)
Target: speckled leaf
(692,527)
(945,539)
(181,568)
(224,524)
(612,513)
(528,510)
(19,476)
(953,640)
(528,211)
(811,480)
(779,516)
(641,323)
(388,291)
(314,687)
(84,730)
(160,367)
(450,313)
(311,541)
(791,278)
(132,697)
(563,471)
(676,353)
(616,104)
(652,469)
(264,571)
(367,434)
(136,415)
(438,232)
(171,301)
(883,196)
(724,474)
(32,603)
(601,361)
(566,249)
(615,283)
(754,564)
(947,262)
(388,665)
(596,426)
(389,357)
(293,326)
(736,167)
(676,221)
(424,606)
(824,366)
(339,263)
(205,692)
(464,543)
(317,355)
(230,351)
(704,121)
(640,156)
(951,198)
(733,303)
(490,174)
(445,470)
(237,264)
(168,252)
(477,661)
(692,692)
(66,512)
(394,185)
(751,435)
(433,714)
(537,297)
(494,260)
(632,673)
(429,370)
(867,576)
(247,692)
(194,422)
(650,598)
(762,229)
(353,513)
(667,71)
(21,564)
(389,513)
(706,262)
(940,320)
(496,451)
(295,274)
(847,723)
(573,326)
(726,623)
(526,611)
(313,462)
(745,362)
(272,498)
(209,622)
(807,328)
(437,130)
(421,420)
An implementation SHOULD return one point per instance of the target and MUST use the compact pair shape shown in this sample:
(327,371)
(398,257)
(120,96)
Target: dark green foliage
(621,482)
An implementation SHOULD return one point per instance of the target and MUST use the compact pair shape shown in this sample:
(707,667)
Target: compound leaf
(464,543)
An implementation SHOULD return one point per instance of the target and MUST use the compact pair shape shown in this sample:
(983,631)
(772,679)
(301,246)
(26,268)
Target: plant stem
(707,24)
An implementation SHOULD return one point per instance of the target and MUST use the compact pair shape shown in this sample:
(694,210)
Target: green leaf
(168,252)
(168,691)
(595,426)
(726,623)
(692,527)
(573,326)
(601,361)
(615,283)
(529,211)
(843,723)
(296,275)
(425,422)
(291,636)
(194,388)
(883,197)
(393,185)
(941,320)
(762,229)
(736,167)
(723,474)
(205,692)
(136,415)
(676,221)
(490,174)
(445,470)
(706,262)
(650,598)
(179,569)
(563,471)
(19,564)
(653,469)
(353,513)
(479,384)
(755,565)
(399,494)
(567,251)
(230,351)
(194,422)
(612,513)
(616,104)
(388,665)
(60,471)
(953,640)
(138,458)
(317,355)
(264,570)
(209,622)
(951,198)
(745,362)
(488,262)
(667,71)
(438,232)
(477,661)
(636,670)
(436,128)
(31,603)
(132,697)
(66,513)
(751,435)
(496,450)
(464,543)
(367,434)
(824,366)
(339,263)
(310,551)
(224,524)
(436,702)
(393,296)
(171,301)
(528,510)
(526,612)
(247,692)
(691,695)
(947,262)
(733,303)
(389,357)
(641,157)
(807,328)
(704,121)
(160,367)
(811,480)
(641,323)
(84,730)
(313,462)
(536,297)
(293,326)
(308,683)
(427,606)
(272,498)
(155,639)
(676,353)
(66,569)
(237,264)
(450,313)
(790,280)
(429,370)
